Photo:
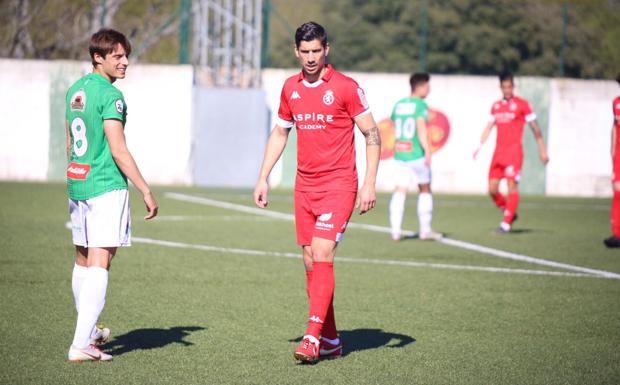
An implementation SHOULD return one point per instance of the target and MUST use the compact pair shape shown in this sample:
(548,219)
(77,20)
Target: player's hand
(151,206)
(475,156)
(428,159)
(260,194)
(366,199)
(544,158)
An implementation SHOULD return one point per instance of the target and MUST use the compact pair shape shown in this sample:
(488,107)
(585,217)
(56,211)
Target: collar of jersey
(99,77)
(328,75)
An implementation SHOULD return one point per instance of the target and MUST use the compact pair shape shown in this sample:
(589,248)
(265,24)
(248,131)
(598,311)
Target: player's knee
(425,188)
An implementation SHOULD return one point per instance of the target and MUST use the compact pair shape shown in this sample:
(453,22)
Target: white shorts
(405,171)
(102,221)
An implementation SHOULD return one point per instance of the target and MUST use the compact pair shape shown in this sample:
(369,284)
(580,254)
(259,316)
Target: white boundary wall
(159,129)
(578,138)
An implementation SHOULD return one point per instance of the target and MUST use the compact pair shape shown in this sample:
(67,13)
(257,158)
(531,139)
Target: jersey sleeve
(285,116)
(615,107)
(491,115)
(114,106)
(528,113)
(355,100)
(424,111)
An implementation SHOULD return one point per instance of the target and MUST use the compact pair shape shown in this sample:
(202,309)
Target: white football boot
(91,353)
(100,335)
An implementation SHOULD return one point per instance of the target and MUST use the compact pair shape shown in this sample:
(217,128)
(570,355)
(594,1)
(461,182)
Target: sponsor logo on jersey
(504,117)
(328,97)
(119,106)
(78,171)
(405,109)
(78,101)
(313,121)
(403,146)
(295,95)
(362,97)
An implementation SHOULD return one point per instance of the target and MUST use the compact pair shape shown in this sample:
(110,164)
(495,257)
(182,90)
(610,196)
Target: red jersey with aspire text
(323,114)
(510,117)
(616,111)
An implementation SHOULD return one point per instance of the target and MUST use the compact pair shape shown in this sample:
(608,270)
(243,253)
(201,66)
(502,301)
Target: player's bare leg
(321,294)
(425,213)
(397,211)
(91,301)
(614,240)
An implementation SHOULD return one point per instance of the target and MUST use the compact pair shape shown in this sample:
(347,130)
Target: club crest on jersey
(328,97)
(119,106)
(362,96)
(78,101)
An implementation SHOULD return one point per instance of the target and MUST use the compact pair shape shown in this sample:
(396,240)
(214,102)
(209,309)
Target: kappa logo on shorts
(328,98)
(510,171)
(325,217)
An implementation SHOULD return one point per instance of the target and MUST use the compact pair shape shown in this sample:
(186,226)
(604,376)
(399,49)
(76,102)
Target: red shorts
(509,168)
(615,176)
(322,214)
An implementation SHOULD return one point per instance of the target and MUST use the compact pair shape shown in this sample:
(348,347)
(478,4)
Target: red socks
(321,294)
(615,214)
(329,326)
(499,200)
(511,206)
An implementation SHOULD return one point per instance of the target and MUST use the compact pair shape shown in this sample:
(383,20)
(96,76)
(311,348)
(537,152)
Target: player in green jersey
(412,154)
(99,165)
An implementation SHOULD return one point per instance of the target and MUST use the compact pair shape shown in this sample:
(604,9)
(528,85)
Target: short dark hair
(504,76)
(104,41)
(418,78)
(310,31)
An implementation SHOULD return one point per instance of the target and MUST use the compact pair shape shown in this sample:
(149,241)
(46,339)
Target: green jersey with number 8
(404,115)
(92,170)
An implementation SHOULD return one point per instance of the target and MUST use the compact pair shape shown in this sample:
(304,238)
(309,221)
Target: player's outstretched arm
(485,135)
(542,151)
(367,197)
(275,146)
(126,163)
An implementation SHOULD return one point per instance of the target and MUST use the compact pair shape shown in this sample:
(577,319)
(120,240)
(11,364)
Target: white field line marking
(261,253)
(181,218)
(382,229)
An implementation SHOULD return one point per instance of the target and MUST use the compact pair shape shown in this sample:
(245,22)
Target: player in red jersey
(324,106)
(509,115)
(614,240)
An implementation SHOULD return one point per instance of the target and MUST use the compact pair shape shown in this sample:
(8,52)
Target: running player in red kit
(324,106)
(509,115)
(614,240)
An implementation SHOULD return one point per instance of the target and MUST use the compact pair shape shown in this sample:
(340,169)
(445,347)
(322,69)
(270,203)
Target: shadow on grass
(365,339)
(144,339)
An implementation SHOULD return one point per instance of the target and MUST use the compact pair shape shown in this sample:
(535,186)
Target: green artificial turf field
(223,301)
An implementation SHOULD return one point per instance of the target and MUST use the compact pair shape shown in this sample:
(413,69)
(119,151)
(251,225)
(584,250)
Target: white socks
(397,210)
(425,212)
(91,300)
(79,272)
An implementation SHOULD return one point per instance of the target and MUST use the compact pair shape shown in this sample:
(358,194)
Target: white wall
(578,137)
(159,100)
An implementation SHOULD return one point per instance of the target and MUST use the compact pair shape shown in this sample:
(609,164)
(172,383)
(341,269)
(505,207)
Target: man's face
(424,89)
(311,55)
(114,64)
(507,88)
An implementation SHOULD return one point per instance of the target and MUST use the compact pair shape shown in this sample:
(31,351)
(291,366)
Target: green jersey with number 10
(404,115)
(92,170)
